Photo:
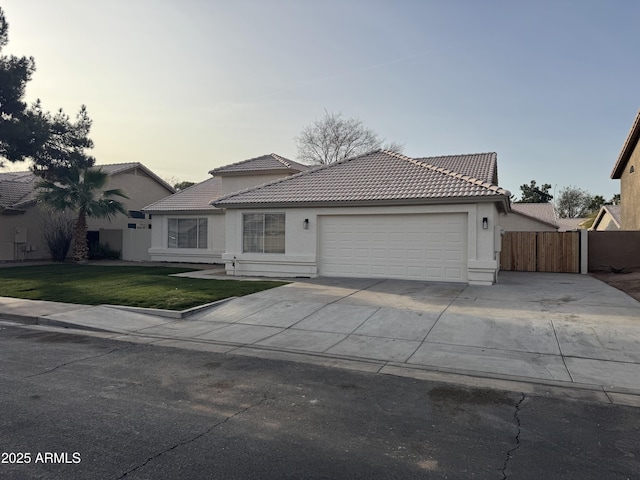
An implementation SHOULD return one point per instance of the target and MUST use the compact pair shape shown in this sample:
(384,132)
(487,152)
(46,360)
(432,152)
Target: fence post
(584,251)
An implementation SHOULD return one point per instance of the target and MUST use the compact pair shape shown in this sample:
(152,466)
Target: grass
(135,286)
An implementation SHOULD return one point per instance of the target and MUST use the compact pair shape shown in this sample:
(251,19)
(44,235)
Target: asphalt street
(89,407)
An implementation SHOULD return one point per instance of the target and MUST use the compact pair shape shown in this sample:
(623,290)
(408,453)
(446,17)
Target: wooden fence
(541,252)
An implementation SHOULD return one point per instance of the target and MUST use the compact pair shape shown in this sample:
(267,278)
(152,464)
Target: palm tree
(81,191)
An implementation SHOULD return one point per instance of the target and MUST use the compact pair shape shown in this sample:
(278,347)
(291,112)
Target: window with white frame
(263,232)
(187,233)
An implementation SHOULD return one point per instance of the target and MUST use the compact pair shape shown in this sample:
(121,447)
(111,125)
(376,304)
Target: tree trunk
(80,247)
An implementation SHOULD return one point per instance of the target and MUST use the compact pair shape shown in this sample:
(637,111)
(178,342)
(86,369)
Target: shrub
(58,233)
(103,251)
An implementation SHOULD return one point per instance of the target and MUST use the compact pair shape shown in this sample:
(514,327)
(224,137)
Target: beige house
(608,219)
(22,219)
(626,170)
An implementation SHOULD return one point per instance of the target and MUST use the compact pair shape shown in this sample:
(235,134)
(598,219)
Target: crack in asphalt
(516,415)
(76,361)
(194,438)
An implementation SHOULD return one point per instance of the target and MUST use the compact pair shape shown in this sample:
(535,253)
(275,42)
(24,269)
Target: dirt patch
(628,282)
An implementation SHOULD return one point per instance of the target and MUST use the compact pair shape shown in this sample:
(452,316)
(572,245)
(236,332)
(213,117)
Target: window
(187,233)
(263,232)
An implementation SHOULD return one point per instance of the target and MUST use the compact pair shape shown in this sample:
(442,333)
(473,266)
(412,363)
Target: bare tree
(574,202)
(334,138)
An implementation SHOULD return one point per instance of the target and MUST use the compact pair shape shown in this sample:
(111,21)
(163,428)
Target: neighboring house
(571,224)
(21,217)
(530,217)
(186,228)
(627,171)
(608,218)
(377,215)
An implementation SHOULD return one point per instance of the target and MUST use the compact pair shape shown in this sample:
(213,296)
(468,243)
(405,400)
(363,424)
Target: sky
(184,86)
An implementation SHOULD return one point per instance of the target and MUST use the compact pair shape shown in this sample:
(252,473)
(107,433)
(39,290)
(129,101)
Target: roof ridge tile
(468,178)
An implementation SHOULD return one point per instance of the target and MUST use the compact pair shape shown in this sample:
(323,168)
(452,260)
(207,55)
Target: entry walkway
(546,329)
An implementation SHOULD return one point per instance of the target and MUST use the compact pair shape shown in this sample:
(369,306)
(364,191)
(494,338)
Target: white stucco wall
(301,246)
(135,244)
(160,251)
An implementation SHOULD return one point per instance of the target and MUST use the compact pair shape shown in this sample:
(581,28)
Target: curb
(175,314)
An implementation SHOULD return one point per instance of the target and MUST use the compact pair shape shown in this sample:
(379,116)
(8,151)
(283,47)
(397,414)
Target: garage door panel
(434,237)
(396,271)
(453,255)
(434,273)
(433,255)
(454,273)
(415,272)
(397,254)
(396,237)
(415,254)
(378,270)
(425,246)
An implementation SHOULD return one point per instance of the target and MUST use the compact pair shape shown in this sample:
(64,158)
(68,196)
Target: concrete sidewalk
(544,330)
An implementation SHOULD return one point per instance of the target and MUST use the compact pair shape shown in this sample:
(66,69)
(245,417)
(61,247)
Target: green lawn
(136,286)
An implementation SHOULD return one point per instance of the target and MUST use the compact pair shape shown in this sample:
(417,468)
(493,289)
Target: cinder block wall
(616,250)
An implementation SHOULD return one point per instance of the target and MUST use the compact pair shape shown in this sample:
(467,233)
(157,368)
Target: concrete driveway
(569,329)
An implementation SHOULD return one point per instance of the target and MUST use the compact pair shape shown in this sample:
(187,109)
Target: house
(572,224)
(377,215)
(22,218)
(608,218)
(530,217)
(625,170)
(187,228)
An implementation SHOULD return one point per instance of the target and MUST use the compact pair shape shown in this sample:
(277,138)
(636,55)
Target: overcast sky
(184,86)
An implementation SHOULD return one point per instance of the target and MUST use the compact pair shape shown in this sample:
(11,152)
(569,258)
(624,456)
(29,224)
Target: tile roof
(18,189)
(378,176)
(543,212)
(14,193)
(265,163)
(483,166)
(195,198)
(613,210)
(570,224)
(112,168)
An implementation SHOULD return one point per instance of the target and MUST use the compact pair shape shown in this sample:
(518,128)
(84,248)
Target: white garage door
(420,247)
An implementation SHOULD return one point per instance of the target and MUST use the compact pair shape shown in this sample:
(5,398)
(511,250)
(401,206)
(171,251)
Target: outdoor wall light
(485,223)
(305,224)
